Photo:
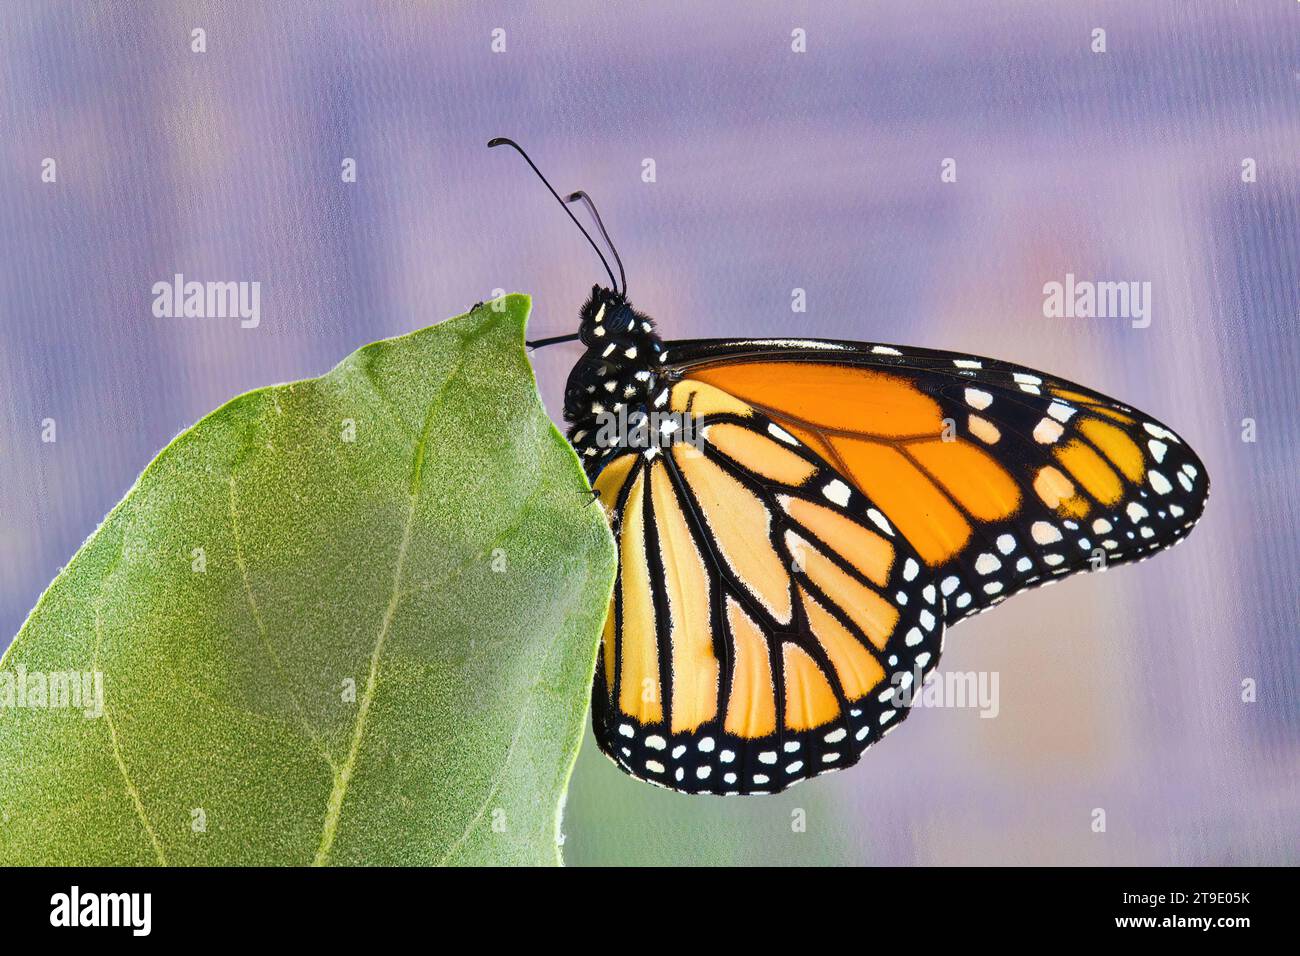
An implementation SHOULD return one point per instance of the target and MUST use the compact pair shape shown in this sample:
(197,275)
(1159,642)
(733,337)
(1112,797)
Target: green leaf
(411,525)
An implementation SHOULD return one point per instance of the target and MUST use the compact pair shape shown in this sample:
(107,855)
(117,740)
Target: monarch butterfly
(799,520)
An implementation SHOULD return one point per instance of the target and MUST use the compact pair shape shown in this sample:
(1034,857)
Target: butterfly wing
(1000,476)
(767,617)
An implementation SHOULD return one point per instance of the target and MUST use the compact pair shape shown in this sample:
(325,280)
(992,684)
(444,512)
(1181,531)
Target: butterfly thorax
(611,390)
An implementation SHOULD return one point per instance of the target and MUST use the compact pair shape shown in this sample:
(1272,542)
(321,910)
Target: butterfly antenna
(502,141)
(581,196)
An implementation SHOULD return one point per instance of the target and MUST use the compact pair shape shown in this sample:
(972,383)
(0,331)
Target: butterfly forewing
(767,617)
(999,476)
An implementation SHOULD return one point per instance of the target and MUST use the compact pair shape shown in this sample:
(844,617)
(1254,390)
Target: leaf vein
(121,763)
(265,638)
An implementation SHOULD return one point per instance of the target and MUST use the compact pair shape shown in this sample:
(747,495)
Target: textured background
(775,170)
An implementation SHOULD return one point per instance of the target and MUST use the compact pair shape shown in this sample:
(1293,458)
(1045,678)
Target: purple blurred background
(775,170)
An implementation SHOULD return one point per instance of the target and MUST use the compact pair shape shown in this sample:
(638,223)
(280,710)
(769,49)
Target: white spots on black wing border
(1048,431)
(1039,546)
(776,431)
(1146,520)
(713,761)
(836,491)
(1061,411)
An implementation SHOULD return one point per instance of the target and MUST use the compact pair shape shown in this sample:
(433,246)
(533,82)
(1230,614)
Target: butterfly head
(608,317)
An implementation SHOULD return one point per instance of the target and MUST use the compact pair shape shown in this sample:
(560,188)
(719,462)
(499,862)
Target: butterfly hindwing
(1001,477)
(766,616)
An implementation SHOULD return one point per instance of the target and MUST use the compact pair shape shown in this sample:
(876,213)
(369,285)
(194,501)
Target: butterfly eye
(624,320)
